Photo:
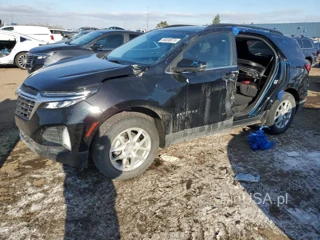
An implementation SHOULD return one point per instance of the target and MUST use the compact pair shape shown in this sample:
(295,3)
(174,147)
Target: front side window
(259,48)
(149,48)
(132,36)
(213,49)
(8,28)
(111,41)
(306,43)
(85,39)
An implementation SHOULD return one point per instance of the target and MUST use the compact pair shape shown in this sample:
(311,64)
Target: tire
(114,132)
(278,126)
(21,60)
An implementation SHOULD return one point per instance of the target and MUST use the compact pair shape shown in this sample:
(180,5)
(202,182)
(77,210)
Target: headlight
(63,99)
(44,55)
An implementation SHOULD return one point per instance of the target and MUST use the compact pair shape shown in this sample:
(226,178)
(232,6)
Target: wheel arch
(295,94)
(146,110)
(309,59)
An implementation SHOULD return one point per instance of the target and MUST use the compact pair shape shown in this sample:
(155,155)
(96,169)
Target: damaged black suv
(166,86)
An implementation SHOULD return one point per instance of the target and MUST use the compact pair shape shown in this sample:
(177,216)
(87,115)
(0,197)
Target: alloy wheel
(130,149)
(283,114)
(22,61)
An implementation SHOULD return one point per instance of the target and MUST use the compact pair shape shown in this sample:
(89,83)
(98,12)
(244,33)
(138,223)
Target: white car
(36,32)
(56,33)
(14,47)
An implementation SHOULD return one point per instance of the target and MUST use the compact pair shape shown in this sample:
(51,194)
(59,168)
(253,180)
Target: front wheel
(281,114)
(21,60)
(125,145)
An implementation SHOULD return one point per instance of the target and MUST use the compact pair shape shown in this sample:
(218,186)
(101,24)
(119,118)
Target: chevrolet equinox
(163,87)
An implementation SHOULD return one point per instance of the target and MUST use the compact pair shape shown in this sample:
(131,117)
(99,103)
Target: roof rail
(251,26)
(179,25)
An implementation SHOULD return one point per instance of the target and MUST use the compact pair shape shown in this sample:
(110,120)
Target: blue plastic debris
(259,141)
(280,94)
(235,31)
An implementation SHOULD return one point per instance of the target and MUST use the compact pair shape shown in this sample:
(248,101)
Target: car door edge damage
(163,87)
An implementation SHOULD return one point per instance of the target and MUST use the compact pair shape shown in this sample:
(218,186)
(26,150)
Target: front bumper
(57,153)
(57,134)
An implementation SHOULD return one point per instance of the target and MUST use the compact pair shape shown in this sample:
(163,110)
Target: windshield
(149,48)
(86,38)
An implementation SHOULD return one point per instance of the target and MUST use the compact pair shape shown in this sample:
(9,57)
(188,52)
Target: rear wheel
(21,60)
(125,145)
(281,114)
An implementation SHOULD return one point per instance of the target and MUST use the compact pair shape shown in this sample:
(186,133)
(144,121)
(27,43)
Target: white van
(37,32)
(14,47)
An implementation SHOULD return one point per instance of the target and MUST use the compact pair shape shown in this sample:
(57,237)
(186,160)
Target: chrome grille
(24,107)
(30,59)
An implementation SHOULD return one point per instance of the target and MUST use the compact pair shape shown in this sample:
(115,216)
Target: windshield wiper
(115,61)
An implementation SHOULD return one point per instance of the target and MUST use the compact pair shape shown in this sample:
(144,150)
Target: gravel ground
(191,196)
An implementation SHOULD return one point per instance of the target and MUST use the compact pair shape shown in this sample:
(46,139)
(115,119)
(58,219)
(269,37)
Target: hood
(79,72)
(53,47)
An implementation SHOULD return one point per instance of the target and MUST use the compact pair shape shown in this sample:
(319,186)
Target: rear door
(206,103)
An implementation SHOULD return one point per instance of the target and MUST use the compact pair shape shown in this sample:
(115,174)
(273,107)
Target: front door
(206,102)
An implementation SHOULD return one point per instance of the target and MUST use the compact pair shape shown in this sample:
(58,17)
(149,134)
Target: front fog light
(66,139)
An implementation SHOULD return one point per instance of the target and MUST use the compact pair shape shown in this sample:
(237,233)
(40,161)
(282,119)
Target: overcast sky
(132,14)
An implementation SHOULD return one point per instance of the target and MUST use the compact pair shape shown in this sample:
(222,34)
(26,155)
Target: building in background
(309,29)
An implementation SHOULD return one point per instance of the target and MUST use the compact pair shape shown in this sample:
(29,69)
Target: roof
(185,28)
(192,28)
(18,35)
(112,30)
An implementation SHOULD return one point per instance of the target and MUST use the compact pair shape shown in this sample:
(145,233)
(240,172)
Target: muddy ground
(194,197)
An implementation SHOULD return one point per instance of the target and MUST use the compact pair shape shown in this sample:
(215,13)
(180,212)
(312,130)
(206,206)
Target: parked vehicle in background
(36,32)
(317,46)
(77,35)
(100,42)
(14,47)
(141,30)
(68,34)
(115,28)
(165,86)
(57,34)
(87,28)
(309,51)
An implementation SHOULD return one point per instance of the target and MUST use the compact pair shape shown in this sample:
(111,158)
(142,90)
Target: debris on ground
(247,177)
(293,154)
(168,158)
(259,141)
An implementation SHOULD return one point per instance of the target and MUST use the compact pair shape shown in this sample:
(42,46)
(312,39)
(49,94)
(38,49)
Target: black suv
(165,86)
(308,48)
(101,42)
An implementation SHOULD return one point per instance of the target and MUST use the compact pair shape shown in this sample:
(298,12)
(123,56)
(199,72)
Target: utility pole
(11,18)
(148,19)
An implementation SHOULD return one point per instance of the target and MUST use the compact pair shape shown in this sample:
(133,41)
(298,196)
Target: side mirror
(96,46)
(189,65)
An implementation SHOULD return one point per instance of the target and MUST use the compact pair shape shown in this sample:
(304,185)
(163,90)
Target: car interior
(256,63)
(6,45)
